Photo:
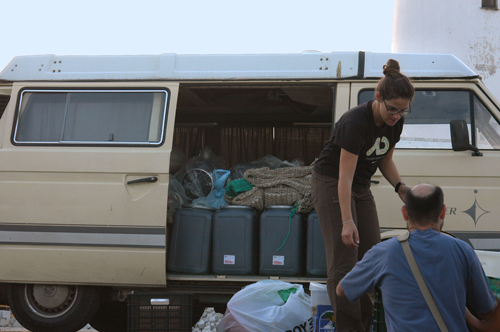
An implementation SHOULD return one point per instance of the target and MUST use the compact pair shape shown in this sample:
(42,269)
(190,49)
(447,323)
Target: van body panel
(343,101)
(471,198)
(84,266)
(80,210)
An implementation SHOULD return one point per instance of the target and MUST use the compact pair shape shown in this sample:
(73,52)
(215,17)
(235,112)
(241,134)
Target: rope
(292,213)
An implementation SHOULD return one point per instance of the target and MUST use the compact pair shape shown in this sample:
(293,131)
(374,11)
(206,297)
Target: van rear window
(102,117)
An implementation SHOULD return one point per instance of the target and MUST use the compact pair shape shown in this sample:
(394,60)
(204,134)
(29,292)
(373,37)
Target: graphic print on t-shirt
(376,148)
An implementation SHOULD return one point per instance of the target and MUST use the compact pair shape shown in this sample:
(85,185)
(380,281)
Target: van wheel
(53,308)
(110,317)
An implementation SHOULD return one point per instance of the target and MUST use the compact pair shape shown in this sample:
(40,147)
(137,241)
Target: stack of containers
(281,244)
(235,247)
(205,240)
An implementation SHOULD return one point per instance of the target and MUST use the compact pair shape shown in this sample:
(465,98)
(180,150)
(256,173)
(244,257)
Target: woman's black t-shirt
(357,133)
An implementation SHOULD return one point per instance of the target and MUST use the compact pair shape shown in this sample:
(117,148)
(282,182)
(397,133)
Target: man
(449,266)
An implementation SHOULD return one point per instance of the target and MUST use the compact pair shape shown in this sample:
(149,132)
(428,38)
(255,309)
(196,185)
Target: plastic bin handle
(160,301)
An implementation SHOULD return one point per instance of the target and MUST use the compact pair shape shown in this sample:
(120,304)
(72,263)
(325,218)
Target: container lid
(229,207)
(197,206)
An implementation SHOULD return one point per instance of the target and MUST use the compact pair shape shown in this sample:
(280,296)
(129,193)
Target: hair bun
(392,66)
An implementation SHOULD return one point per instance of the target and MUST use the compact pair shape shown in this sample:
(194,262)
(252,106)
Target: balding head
(422,190)
(424,204)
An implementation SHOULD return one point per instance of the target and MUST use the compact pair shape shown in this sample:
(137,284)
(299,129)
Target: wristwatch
(396,188)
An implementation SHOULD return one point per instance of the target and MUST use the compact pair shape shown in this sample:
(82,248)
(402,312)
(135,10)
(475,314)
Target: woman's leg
(340,259)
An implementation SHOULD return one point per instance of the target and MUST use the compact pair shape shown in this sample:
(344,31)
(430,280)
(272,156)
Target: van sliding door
(84,184)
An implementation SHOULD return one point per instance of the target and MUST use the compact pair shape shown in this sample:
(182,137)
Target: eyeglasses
(394,111)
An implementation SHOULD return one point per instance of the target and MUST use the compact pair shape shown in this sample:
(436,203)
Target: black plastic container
(281,244)
(191,241)
(235,241)
(316,258)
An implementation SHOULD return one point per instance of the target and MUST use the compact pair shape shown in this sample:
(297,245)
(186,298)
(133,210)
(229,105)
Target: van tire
(53,308)
(110,317)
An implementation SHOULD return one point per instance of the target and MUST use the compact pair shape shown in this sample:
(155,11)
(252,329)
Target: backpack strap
(403,238)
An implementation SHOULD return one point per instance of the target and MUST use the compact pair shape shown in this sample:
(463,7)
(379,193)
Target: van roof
(307,65)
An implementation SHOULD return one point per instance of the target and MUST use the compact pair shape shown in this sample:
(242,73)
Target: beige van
(85,157)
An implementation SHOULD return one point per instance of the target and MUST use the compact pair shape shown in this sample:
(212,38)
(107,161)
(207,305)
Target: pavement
(87,328)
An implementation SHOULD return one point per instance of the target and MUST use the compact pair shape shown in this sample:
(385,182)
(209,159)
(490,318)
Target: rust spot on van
(339,69)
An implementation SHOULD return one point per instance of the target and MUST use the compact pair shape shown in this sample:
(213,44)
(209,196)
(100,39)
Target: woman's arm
(473,322)
(347,166)
(490,321)
(390,172)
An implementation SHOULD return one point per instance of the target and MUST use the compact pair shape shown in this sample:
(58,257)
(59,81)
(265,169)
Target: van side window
(487,127)
(91,117)
(428,124)
(4,100)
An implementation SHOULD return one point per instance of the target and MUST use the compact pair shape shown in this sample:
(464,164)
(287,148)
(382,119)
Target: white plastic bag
(260,307)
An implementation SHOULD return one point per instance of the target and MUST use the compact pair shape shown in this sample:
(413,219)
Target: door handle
(150,179)
(375,181)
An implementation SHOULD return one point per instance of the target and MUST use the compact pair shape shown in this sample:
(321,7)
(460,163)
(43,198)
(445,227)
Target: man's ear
(443,212)
(405,213)
(378,96)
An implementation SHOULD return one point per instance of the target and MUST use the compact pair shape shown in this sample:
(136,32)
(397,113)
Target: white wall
(459,27)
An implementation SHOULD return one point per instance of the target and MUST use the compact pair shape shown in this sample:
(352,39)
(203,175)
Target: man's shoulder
(445,238)
(442,241)
(440,238)
(387,246)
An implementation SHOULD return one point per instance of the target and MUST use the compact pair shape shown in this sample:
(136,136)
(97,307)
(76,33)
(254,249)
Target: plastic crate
(378,313)
(159,312)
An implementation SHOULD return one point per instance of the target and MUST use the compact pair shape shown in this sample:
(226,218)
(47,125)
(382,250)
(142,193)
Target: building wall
(459,27)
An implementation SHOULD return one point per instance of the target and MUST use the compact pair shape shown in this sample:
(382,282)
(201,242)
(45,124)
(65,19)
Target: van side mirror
(460,137)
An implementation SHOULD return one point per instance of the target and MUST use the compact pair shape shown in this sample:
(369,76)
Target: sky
(110,27)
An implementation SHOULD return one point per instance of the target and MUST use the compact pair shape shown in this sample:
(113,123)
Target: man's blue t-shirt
(450,268)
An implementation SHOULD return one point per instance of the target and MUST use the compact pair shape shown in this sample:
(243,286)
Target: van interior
(243,123)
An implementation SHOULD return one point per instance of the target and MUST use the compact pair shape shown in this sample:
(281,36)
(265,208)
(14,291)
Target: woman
(362,140)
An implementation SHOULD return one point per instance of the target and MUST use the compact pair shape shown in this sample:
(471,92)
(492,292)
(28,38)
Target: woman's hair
(394,84)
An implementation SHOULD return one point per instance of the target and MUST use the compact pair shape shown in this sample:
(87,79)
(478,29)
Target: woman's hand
(402,192)
(350,235)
